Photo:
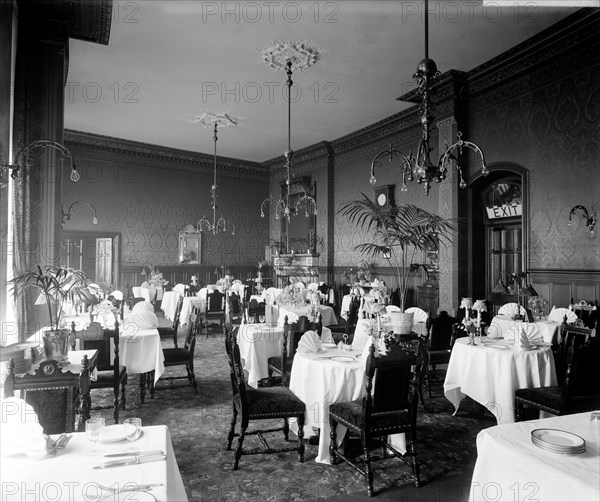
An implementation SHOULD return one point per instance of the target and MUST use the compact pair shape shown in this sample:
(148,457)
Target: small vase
(56,345)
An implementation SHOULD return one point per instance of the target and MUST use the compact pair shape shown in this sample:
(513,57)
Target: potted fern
(399,234)
(56,286)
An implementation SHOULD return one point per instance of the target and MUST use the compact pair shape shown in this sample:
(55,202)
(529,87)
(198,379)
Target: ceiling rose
(209,119)
(301,54)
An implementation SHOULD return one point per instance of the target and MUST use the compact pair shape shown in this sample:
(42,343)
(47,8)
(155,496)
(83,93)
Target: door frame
(116,240)
(476,184)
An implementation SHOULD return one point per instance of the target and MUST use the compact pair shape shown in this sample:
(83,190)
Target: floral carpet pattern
(199,424)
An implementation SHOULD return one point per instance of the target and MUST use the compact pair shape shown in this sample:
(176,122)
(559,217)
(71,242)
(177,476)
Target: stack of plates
(557,441)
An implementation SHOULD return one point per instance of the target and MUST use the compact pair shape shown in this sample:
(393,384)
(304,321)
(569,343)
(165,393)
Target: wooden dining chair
(171,331)
(389,406)
(281,366)
(259,404)
(236,311)
(255,309)
(215,310)
(439,344)
(183,356)
(579,389)
(110,373)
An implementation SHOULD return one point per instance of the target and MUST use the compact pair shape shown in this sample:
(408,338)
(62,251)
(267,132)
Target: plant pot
(402,323)
(56,345)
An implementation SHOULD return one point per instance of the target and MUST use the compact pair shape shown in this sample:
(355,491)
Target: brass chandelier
(420,167)
(290,56)
(216,225)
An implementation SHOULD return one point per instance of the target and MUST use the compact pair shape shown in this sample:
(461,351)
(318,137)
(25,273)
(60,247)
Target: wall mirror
(299,235)
(190,246)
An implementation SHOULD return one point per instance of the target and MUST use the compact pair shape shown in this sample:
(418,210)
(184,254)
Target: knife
(130,461)
(140,453)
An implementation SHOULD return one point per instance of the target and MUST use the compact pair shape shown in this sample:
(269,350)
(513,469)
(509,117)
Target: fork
(131,488)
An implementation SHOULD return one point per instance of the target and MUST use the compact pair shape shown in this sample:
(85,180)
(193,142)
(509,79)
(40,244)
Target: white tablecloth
(149,294)
(278,313)
(69,476)
(318,382)
(490,375)
(169,305)
(505,327)
(511,468)
(257,343)
(363,331)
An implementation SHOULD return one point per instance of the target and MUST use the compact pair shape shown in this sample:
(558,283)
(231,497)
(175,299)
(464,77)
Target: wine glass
(261,319)
(134,428)
(93,429)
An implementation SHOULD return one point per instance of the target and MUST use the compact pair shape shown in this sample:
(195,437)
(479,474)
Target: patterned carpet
(199,424)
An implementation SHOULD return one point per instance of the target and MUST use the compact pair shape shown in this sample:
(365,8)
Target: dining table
(169,305)
(70,474)
(510,467)
(492,370)
(277,313)
(258,342)
(321,378)
(507,328)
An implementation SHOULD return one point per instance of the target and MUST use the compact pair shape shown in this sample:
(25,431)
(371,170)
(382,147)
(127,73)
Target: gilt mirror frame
(190,246)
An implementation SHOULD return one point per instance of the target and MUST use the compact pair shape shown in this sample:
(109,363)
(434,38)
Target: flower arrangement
(291,295)
(538,305)
(225,282)
(105,309)
(382,339)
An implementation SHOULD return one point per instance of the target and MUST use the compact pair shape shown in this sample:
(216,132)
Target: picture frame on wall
(190,247)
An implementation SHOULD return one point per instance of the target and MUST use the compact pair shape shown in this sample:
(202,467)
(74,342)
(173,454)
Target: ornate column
(448,206)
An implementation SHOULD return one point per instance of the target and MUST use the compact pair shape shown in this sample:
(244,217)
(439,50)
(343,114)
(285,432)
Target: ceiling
(169,60)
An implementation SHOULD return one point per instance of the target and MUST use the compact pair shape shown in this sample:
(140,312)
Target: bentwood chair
(260,404)
(579,388)
(184,356)
(389,406)
(171,331)
(110,373)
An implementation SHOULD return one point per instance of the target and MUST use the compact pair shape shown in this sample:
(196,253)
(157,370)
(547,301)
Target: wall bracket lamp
(588,216)
(22,160)
(67,216)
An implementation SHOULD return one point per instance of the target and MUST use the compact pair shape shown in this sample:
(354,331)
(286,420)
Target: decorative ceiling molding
(132,151)
(580,28)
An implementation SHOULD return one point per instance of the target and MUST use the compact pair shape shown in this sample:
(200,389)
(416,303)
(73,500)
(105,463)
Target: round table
(491,371)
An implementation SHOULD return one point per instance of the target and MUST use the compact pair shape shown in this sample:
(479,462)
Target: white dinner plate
(342,359)
(116,432)
(558,439)
(328,345)
(129,496)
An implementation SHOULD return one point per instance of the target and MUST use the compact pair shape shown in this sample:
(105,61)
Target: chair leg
(416,468)
(238,451)
(368,471)
(333,438)
(286,429)
(143,377)
(301,437)
(193,376)
(116,403)
(123,398)
(231,434)
(151,383)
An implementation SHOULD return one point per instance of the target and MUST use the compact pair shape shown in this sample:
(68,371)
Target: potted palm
(57,286)
(399,234)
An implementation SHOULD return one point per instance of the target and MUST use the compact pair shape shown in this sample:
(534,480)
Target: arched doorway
(499,226)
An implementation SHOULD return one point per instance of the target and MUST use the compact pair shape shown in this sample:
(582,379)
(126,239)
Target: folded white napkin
(510,309)
(419,314)
(180,288)
(520,331)
(309,343)
(326,336)
(393,308)
(558,314)
(144,306)
(21,431)
(143,320)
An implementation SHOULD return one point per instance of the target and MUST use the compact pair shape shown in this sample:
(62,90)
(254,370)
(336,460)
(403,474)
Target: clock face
(382,199)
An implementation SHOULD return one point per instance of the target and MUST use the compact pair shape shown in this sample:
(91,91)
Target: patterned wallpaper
(554,132)
(149,204)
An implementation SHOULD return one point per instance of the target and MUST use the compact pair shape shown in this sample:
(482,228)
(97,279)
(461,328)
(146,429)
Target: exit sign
(505,211)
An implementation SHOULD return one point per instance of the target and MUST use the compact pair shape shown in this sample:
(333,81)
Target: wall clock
(384,196)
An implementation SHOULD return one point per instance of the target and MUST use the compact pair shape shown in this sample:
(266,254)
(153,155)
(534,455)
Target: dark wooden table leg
(151,383)
(143,377)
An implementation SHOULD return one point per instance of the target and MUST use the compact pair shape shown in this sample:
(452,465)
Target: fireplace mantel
(301,266)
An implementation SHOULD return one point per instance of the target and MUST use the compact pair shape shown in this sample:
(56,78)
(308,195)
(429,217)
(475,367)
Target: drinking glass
(136,424)
(595,428)
(93,428)
(261,319)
